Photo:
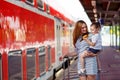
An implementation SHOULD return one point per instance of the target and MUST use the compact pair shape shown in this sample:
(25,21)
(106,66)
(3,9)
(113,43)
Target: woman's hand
(63,56)
(72,54)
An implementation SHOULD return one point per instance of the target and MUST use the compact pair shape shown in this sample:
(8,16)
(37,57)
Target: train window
(49,56)
(42,49)
(47,8)
(30,64)
(40,4)
(30,2)
(14,65)
(0,68)
(42,59)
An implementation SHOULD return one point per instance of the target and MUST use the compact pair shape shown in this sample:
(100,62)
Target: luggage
(66,64)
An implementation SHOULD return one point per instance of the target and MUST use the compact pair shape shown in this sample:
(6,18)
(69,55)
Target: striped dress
(91,62)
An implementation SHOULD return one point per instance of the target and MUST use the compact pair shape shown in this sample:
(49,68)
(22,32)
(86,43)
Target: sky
(71,9)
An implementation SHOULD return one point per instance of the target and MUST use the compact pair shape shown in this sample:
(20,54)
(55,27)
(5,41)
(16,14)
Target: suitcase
(66,64)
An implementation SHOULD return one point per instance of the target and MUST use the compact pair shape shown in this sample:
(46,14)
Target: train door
(58,40)
(71,48)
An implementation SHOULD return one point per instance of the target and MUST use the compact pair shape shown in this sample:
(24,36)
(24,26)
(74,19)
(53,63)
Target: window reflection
(42,59)
(40,4)
(30,1)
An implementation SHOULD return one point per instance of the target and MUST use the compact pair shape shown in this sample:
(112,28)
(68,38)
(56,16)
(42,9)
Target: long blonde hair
(77,31)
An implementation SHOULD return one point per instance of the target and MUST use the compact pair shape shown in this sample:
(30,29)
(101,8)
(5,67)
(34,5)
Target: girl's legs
(82,57)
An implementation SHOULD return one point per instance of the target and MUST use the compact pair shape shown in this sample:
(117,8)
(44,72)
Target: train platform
(109,60)
(69,73)
(110,64)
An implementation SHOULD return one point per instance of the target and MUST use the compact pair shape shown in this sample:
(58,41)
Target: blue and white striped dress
(91,62)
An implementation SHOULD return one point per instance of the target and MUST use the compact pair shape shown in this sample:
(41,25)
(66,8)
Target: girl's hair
(96,24)
(77,31)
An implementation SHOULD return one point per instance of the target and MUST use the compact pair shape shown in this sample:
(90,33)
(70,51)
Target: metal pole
(68,63)
(63,70)
(99,67)
(98,75)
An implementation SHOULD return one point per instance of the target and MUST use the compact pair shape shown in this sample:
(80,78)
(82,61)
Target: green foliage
(115,30)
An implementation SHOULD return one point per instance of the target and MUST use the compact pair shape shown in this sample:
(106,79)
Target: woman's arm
(70,54)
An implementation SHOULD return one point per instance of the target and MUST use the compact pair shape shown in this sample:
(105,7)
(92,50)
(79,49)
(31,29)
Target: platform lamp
(95,15)
(93,3)
(94,10)
(96,19)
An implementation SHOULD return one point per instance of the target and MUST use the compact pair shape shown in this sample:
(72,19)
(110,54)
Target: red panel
(35,3)
(53,55)
(4,66)
(50,36)
(37,63)
(3,38)
(60,15)
(44,7)
(31,26)
(55,13)
(24,70)
(23,0)
(0,37)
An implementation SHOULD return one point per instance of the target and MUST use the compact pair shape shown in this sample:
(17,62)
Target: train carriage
(33,37)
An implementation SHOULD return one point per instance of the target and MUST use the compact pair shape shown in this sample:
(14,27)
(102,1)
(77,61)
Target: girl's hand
(85,37)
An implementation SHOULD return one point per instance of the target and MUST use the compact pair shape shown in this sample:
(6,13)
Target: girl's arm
(89,42)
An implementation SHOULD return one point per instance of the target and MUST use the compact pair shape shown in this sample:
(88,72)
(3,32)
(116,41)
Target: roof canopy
(108,10)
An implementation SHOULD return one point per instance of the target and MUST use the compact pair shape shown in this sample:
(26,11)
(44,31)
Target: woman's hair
(96,24)
(77,31)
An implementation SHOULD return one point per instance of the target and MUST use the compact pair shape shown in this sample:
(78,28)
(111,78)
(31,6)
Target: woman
(80,46)
(95,44)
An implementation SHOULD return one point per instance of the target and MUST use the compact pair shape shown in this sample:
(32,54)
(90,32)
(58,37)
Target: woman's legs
(91,77)
(98,63)
(83,78)
(88,77)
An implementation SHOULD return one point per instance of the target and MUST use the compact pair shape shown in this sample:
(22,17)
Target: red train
(33,36)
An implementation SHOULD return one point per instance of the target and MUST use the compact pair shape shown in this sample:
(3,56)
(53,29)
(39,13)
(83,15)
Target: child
(95,45)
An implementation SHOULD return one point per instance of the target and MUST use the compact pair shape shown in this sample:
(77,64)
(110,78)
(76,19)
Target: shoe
(99,70)
(82,72)
(79,71)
